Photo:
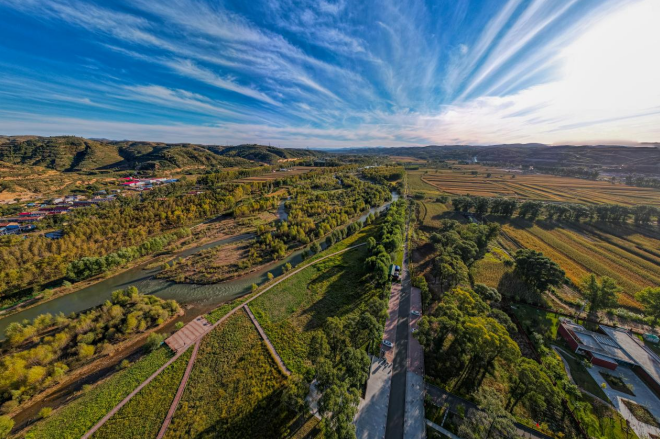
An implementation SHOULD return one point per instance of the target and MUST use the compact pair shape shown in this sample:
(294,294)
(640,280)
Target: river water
(202,297)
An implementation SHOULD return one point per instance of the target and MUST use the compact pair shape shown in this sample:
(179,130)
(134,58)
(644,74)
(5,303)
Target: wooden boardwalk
(179,392)
(189,334)
(285,370)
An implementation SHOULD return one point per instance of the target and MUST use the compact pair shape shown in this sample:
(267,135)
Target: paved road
(397,406)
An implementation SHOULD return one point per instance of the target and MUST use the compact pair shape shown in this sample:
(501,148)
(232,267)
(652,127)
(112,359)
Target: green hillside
(69,153)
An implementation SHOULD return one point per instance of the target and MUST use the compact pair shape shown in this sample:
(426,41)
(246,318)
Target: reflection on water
(186,294)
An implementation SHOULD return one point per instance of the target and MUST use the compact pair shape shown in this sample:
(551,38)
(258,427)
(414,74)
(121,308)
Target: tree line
(532,210)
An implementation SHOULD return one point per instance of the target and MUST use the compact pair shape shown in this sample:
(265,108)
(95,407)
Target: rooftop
(643,356)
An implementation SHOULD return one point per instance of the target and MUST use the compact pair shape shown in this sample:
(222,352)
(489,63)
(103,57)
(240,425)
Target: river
(200,297)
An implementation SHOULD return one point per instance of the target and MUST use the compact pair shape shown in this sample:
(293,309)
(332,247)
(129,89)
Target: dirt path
(179,392)
(285,370)
(209,329)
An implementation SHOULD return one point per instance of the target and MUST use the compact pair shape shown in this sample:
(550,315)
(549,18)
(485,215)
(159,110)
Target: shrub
(45,412)
(154,340)
(6,424)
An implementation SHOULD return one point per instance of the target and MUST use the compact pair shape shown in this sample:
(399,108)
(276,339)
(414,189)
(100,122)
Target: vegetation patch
(617,383)
(143,415)
(641,413)
(43,352)
(77,417)
(234,389)
(291,311)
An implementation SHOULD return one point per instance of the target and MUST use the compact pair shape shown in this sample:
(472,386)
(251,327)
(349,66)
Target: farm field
(625,253)
(548,188)
(143,416)
(293,310)
(75,418)
(234,388)
(431,213)
(417,185)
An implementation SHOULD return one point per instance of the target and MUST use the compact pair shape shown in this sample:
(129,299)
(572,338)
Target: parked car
(388,343)
(415,313)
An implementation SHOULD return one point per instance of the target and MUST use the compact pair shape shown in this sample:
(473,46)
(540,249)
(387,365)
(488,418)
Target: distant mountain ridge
(643,159)
(70,153)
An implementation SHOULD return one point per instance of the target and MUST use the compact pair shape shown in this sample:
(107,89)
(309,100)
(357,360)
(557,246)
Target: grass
(291,311)
(234,388)
(582,377)
(602,420)
(434,212)
(641,413)
(75,418)
(143,416)
(417,185)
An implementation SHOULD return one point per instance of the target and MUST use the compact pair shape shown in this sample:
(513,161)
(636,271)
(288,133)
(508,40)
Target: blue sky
(332,73)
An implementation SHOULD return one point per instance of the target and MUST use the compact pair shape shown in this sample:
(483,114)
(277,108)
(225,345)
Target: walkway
(208,329)
(372,411)
(189,334)
(130,396)
(389,333)
(179,392)
(397,405)
(285,370)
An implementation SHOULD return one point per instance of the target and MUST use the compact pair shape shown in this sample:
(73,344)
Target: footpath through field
(285,370)
(207,329)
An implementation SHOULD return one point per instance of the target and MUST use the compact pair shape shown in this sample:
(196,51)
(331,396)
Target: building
(613,347)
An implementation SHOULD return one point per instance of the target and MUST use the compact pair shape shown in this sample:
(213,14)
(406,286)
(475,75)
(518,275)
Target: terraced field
(549,188)
(629,254)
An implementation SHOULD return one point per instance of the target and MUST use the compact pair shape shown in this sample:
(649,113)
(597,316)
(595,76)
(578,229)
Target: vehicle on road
(415,313)
(387,343)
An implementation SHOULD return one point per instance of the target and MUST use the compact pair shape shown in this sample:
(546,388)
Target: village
(25,221)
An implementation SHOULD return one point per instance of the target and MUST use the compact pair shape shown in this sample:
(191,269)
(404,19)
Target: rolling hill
(71,154)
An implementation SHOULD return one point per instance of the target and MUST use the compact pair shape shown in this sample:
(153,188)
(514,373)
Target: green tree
(601,293)
(154,340)
(295,392)
(338,407)
(318,347)
(650,298)
(537,270)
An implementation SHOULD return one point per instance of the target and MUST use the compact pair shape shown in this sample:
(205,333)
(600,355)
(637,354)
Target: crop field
(417,185)
(502,183)
(234,388)
(295,308)
(143,416)
(626,253)
(431,213)
(75,418)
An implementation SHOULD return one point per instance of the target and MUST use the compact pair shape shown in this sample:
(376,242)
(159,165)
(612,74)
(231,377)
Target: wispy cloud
(334,73)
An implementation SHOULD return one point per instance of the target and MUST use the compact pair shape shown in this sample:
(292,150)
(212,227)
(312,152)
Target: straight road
(397,406)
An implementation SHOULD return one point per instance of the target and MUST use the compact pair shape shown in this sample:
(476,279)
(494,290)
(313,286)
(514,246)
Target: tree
(538,271)
(650,298)
(295,392)
(601,294)
(316,248)
(154,340)
(270,276)
(318,347)
(338,406)
(6,424)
